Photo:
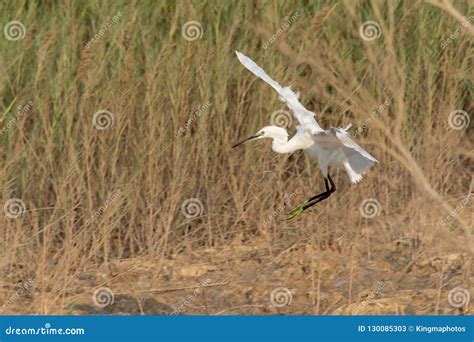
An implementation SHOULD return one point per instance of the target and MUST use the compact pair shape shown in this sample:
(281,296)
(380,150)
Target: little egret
(332,146)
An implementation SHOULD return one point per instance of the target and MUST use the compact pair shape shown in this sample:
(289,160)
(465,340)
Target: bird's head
(273,132)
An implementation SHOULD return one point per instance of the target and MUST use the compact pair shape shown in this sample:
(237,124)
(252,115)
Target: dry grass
(140,170)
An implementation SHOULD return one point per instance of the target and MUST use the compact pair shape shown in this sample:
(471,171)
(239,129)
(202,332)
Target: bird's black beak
(245,140)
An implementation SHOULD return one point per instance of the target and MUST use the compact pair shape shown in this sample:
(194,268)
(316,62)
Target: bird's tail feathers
(354,177)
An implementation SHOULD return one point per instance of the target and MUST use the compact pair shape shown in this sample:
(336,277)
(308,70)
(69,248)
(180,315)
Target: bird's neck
(279,143)
(282,145)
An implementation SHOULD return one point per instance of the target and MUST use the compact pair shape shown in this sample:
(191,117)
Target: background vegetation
(177,107)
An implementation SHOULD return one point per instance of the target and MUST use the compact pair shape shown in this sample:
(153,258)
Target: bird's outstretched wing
(304,116)
(359,159)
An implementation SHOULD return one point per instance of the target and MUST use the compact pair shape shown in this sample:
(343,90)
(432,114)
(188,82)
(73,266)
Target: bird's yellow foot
(296,211)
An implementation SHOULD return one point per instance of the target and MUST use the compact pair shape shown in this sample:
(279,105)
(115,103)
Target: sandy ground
(245,278)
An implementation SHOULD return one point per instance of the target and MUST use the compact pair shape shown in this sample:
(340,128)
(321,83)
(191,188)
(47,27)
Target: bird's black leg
(322,196)
(324,193)
(330,188)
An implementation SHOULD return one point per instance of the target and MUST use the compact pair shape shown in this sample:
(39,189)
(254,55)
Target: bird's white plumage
(331,146)
(304,116)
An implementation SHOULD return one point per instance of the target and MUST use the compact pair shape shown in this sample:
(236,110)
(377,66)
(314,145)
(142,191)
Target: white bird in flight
(332,146)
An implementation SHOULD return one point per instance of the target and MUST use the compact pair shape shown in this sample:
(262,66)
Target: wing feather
(305,117)
(359,159)
(349,143)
